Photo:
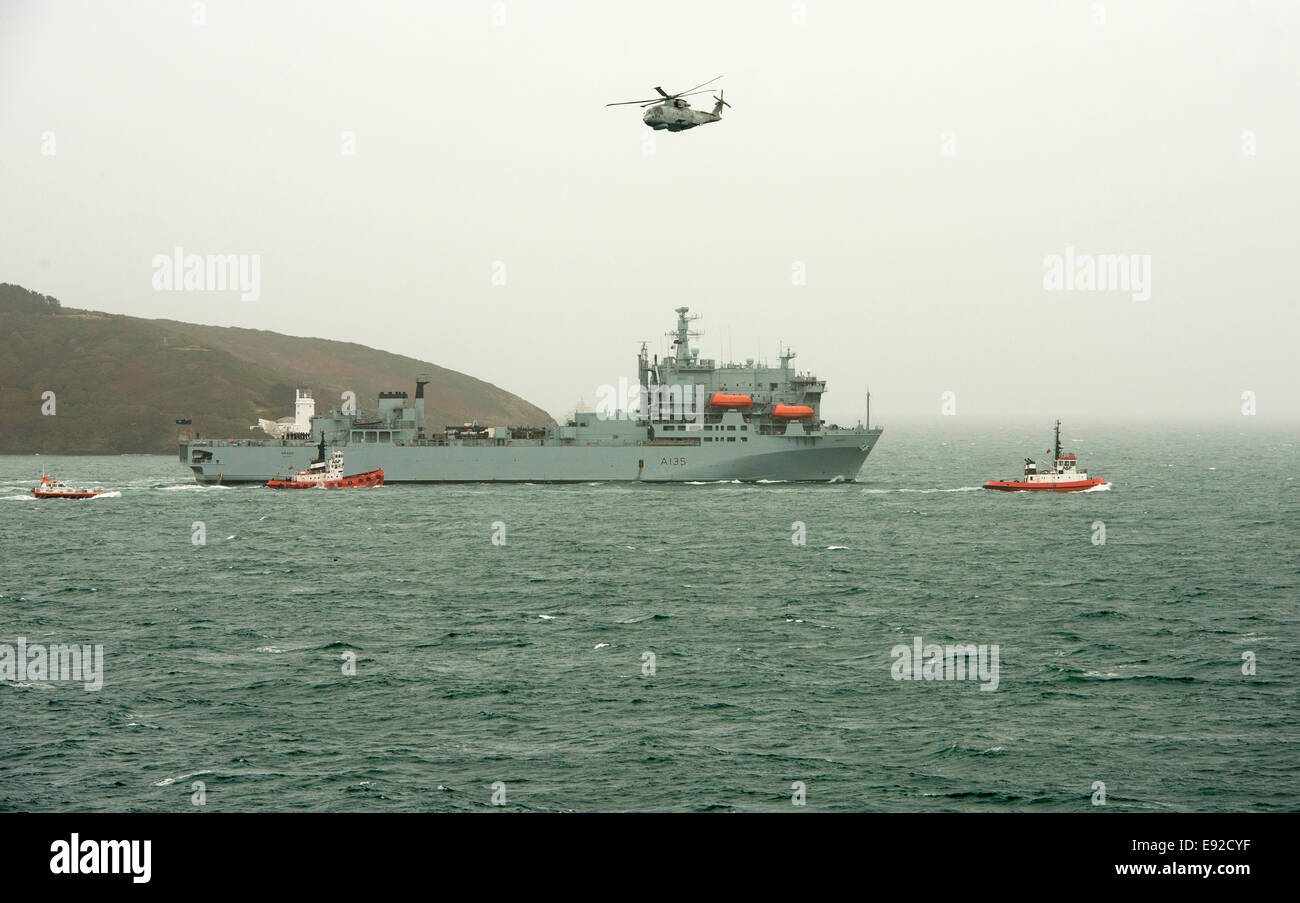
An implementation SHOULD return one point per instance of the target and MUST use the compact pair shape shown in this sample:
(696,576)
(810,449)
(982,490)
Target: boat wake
(921,491)
(1104,487)
(167,782)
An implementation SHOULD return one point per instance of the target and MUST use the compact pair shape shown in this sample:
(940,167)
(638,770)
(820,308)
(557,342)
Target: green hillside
(121,383)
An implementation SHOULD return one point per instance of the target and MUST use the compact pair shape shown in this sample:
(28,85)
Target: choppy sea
(643,647)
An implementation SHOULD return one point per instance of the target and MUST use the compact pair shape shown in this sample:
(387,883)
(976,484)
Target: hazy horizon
(885,194)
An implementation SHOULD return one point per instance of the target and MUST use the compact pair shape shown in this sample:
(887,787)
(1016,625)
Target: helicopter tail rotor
(717,107)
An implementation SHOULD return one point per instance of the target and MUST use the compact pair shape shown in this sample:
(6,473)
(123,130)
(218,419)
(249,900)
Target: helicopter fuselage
(676,116)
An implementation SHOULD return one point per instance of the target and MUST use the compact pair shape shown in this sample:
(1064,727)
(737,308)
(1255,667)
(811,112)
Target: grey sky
(479,142)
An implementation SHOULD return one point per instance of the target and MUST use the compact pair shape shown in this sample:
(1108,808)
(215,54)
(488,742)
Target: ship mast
(682,343)
(1058,441)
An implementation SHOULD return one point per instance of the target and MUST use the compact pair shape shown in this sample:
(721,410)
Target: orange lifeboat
(792,411)
(722,400)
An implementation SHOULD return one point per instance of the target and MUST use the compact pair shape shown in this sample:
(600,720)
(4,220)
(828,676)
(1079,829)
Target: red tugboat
(1064,477)
(321,474)
(51,488)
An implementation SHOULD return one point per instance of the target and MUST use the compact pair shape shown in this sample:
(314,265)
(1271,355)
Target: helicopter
(671,112)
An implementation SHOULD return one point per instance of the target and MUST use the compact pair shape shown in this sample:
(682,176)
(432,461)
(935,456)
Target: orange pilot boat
(1064,476)
(322,474)
(51,488)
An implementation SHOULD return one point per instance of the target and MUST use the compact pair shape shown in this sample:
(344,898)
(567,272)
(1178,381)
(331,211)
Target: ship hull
(1017,486)
(834,456)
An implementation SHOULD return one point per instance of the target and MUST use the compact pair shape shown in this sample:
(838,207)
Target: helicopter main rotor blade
(650,103)
(666,99)
(701,85)
(664,96)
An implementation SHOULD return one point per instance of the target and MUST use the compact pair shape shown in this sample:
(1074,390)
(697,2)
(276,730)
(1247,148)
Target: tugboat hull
(1017,486)
(357,481)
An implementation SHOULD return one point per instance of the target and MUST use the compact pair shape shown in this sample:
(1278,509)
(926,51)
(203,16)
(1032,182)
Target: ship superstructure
(688,419)
(296,427)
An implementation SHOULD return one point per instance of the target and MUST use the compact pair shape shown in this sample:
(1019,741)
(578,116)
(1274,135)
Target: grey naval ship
(687,420)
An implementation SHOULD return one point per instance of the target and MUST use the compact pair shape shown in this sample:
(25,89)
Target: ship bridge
(685,382)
